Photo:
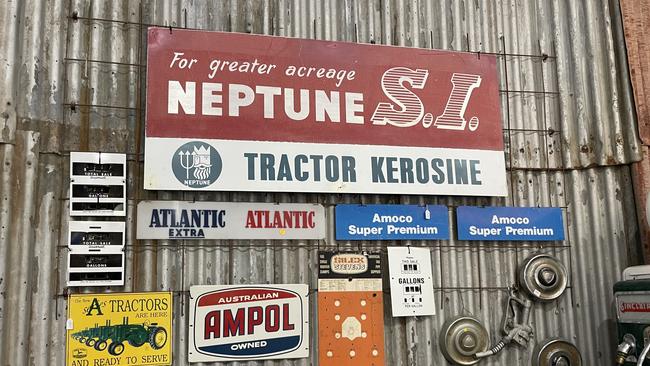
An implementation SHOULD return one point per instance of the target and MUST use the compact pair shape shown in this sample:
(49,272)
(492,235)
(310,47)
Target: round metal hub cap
(543,277)
(556,352)
(561,361)
(461,337)
(547,277)
(467,342)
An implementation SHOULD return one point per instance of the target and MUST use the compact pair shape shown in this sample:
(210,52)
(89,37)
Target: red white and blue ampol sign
(256,322)
(241,112)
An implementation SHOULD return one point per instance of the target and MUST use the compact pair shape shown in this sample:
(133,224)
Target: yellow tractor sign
(119,329)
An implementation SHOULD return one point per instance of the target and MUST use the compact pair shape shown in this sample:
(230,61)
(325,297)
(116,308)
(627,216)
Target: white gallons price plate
(411,285)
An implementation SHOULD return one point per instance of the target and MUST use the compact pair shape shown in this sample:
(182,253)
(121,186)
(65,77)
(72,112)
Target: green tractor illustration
(113,337)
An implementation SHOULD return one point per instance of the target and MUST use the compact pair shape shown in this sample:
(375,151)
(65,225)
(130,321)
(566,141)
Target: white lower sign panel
(254,322)
(229,220)
(411,284)
(95,268)
(97,184)
(229,165)
(96,236)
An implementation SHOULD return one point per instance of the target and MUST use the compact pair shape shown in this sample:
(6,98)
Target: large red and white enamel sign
(228,111)
(257,322)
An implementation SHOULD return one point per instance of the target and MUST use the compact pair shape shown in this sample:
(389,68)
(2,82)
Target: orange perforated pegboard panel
(350,310)
(351,328)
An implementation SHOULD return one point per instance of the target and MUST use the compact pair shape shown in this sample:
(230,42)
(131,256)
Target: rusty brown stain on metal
(611,160)
(641,183)
(636,20)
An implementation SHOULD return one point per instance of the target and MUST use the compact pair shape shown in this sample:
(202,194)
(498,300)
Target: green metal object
(633,285)
(633,319)
(113,337)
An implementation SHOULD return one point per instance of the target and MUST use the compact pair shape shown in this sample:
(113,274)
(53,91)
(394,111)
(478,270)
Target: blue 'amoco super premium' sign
(510,223)
(391,222)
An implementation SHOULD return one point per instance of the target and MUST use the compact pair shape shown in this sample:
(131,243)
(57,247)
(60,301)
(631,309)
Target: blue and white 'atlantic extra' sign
(391,222)
(229,220)
(510,223)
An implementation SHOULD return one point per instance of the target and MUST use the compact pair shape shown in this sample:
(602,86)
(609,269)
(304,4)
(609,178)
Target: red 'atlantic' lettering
(264,219)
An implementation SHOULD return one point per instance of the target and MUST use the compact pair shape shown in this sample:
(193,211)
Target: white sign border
(301,352)
(158,174)
(238,212)
(423,255)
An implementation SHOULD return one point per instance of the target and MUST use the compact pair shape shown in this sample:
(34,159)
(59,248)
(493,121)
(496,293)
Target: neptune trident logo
(196,164)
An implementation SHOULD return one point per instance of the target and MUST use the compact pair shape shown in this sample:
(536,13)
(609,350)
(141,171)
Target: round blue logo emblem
(196,164)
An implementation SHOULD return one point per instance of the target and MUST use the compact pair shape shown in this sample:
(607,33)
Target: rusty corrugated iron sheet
(73,74)
(636,20)
(641,184)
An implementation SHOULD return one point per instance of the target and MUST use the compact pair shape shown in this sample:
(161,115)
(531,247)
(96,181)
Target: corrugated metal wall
(72,79)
